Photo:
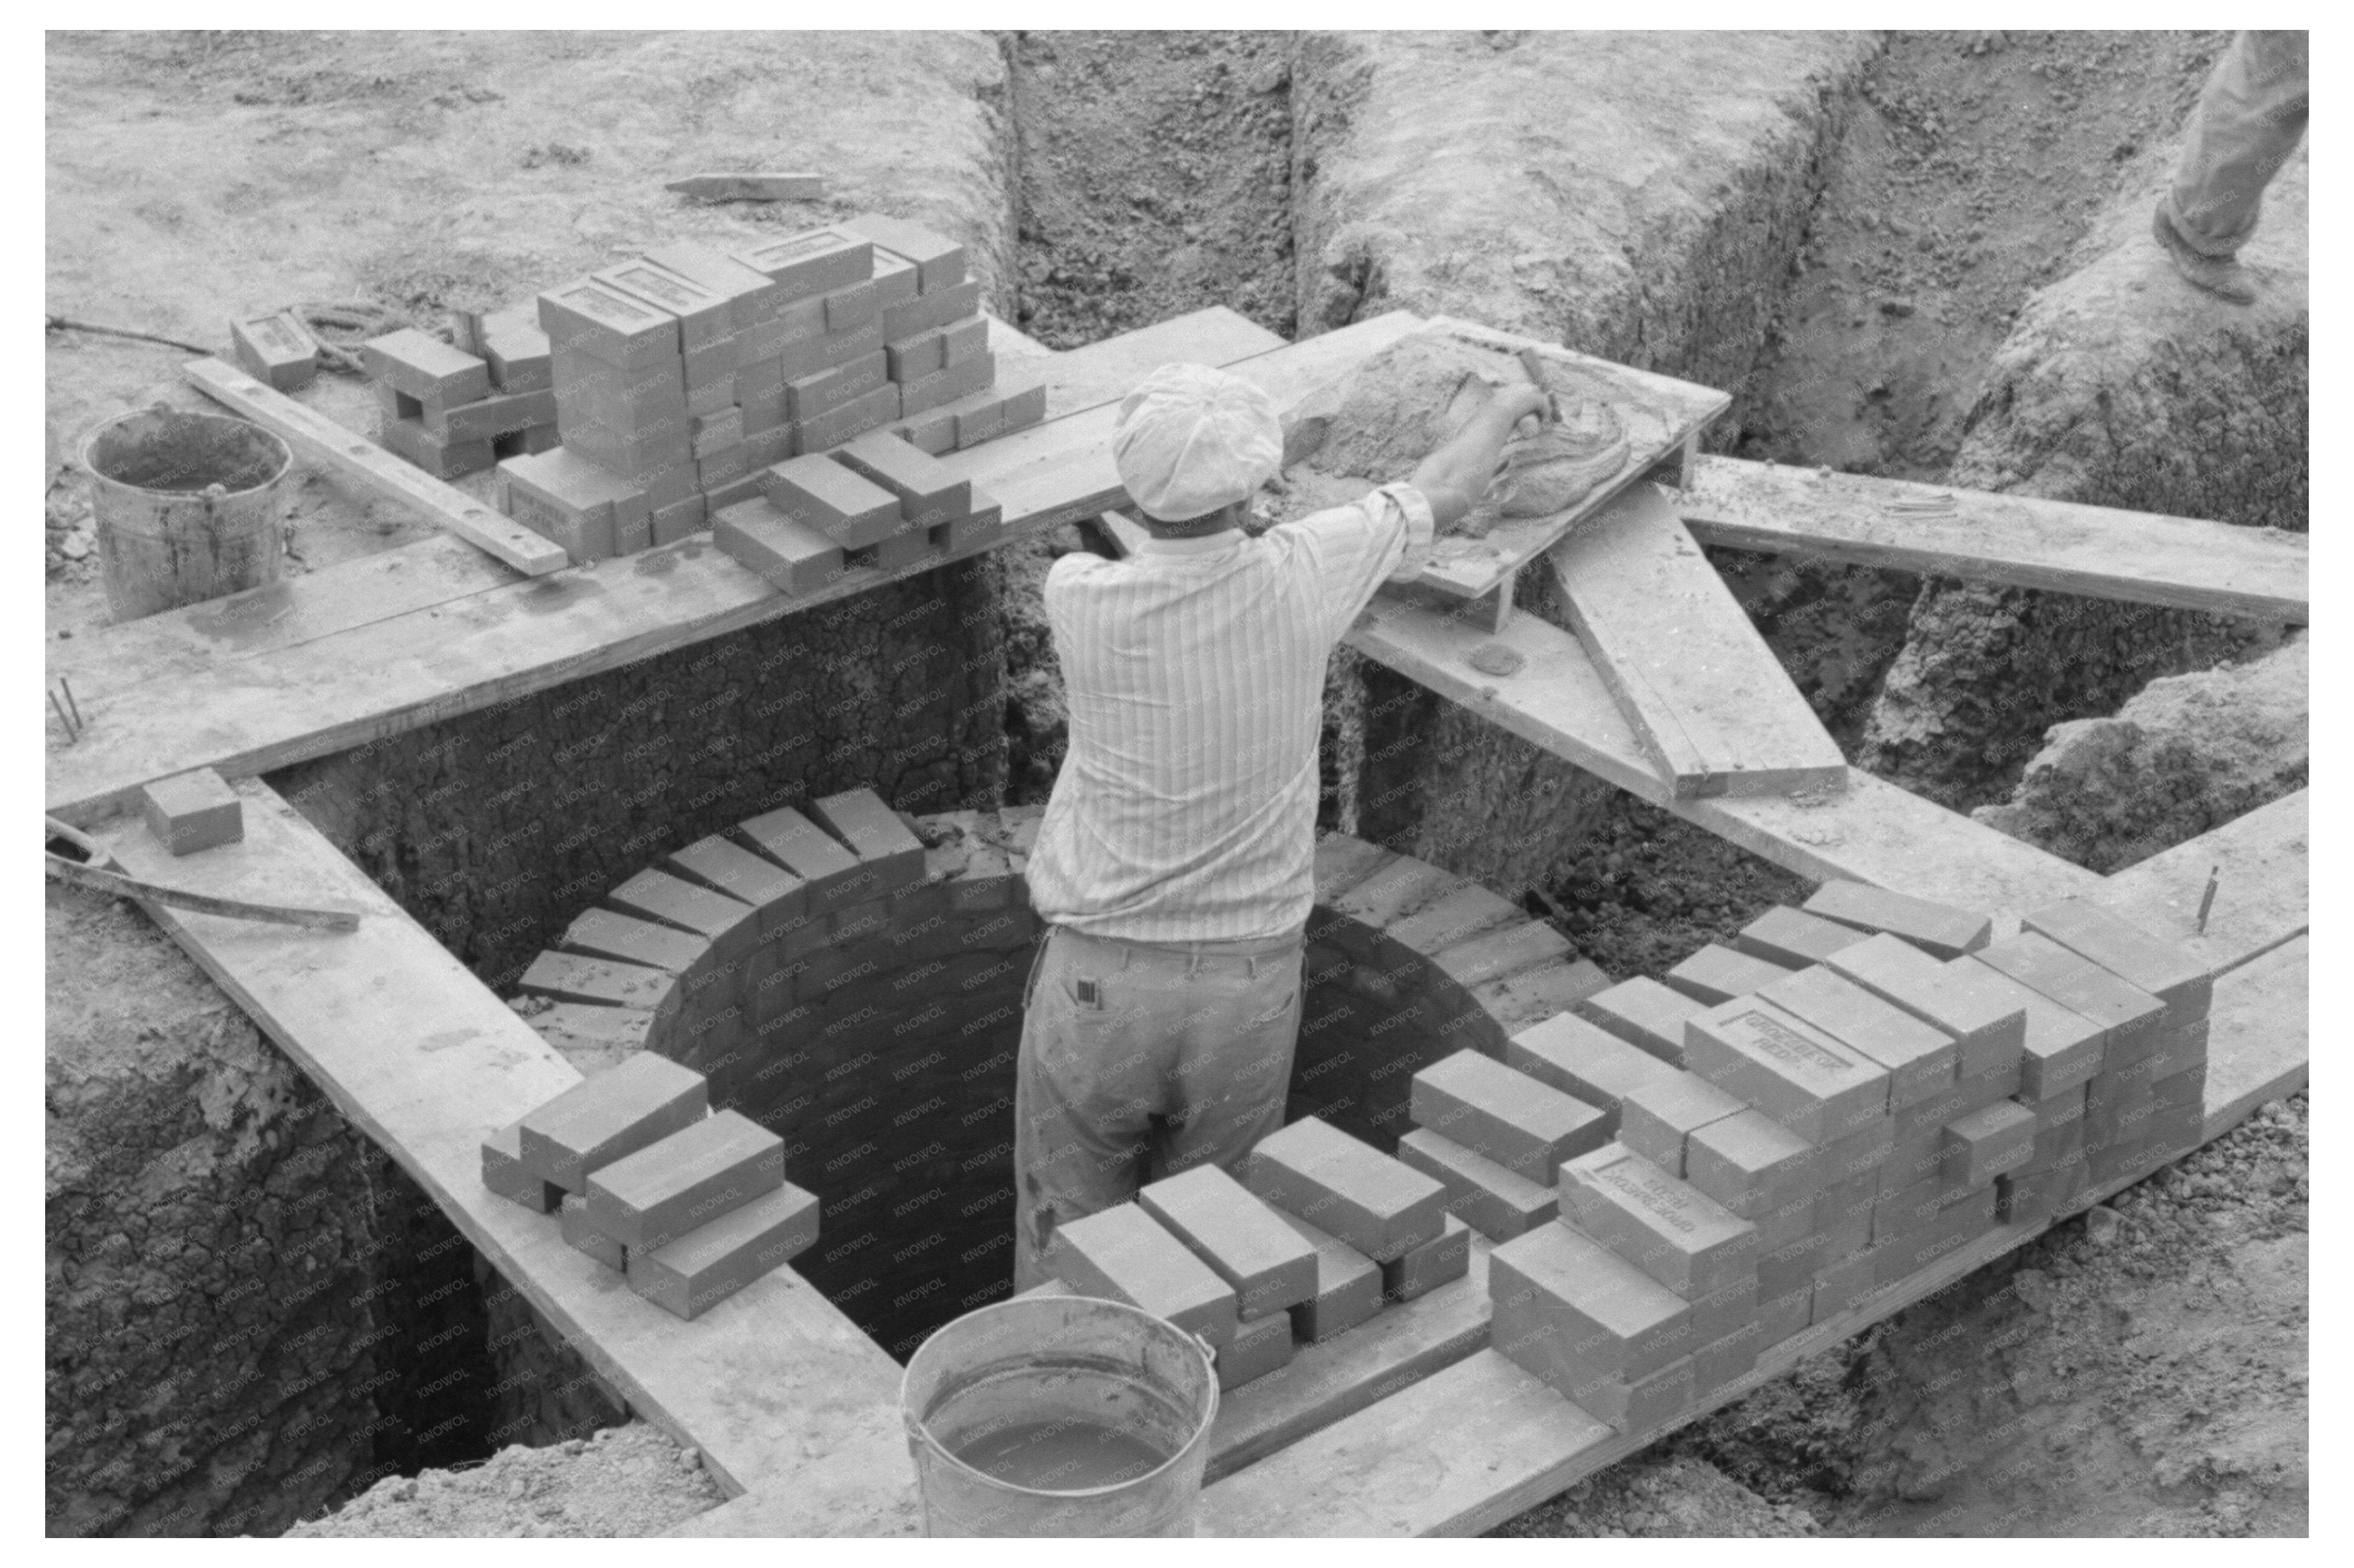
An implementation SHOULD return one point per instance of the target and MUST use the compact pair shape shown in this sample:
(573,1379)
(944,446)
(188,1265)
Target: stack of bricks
(1851,1092)
(1327,1230)
(692,1207)
(452,413)
(683,377)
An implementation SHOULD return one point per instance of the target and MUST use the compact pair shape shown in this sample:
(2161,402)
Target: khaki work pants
(2250,118)
(1139,1061)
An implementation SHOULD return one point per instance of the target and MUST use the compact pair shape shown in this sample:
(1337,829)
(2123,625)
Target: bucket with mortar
(187,507)
(1060,1415)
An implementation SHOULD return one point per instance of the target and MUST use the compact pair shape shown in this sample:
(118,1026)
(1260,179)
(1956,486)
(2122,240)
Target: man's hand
(1453,478)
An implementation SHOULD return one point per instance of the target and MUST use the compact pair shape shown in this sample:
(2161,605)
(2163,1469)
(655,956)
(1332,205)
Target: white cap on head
(1191,439)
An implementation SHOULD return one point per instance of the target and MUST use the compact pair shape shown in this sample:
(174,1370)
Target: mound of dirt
(624,1481)
(2188,754)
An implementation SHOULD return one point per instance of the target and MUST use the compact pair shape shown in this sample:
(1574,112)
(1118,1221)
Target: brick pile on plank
(700,388)
(1684,1174)
(451,412)
(1326,1230)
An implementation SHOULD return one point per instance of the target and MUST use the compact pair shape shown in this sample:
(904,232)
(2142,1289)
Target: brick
(526,443)
(1422,1269)
(896,281)
(1497,1202)
(2078,984)
(1843,1214)
(829,500)
(1663,1226)
(817,261)
(703,314)
(726,922)
(1612,1318)
(1341,861)
(1748,1162)
(1504,1115)
(651,1198)
(1719,1312)
(636,402)
(671,524)
(1014,410)
(1270,1266)
(1124,1255)
(627,1108)
(2149,963)
(758,537)
(1736,1356)
(494,415)
(761,346)
(830,350)
(868,411)
(1987,1022)
(1258,1348)
(569,976)
(1475,960)
(563,496)
(1787,1222)
(1656,1119)
(725,467)
(1954,1228)
(978,529)
(518,354)
(1844,1286)
(850,307)
(1938,929)
(698,1272)
(726,867)
(424,367)
(504,1172)
(933,308)
(1348,1286)
(949,384)
(810,396)
(2059,1048)
(192,811)
(1394,892)
(939,263)
(928,491)
(1792,1266)
(1643,1013)
(1989,1143)
(1531,995)
(1718,974)
(1466,911)
(603,933)
(1918,1156)
(1796,1073)
(1921,1058)
(1582,1059)
(801,847)
(963,342)
(709,433)
(752,296)
(275,350)
(581,1235)
(632,458)
(410,441)
(872,830)
(1539,1348)
(592,317)
(1859,1153)
(1910,1210)
(913,358)
(1794,938)
(1361,1195)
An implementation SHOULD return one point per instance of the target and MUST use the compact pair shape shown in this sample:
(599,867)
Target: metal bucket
(187,507)
(1059,1416)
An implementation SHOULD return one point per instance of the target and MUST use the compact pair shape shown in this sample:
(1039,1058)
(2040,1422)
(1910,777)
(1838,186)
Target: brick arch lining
(877,1038)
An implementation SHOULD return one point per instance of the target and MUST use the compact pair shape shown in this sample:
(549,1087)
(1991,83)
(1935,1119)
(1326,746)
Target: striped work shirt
(1185,810)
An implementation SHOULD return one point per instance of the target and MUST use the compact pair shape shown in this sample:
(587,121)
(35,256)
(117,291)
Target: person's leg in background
(1233,1069)
(2250,117)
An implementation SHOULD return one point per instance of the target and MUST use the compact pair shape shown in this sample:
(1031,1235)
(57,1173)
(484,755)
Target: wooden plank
(200,637)
(1709,704)
(2258,1049)
(2012,541)
(1662,417)
(288,705)
(1106,371)
(2261,894)
(1871,831)
(427,1061)
(360,462)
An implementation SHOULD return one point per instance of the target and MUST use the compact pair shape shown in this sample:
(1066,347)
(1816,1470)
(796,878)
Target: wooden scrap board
(1709,704)
(1662,416)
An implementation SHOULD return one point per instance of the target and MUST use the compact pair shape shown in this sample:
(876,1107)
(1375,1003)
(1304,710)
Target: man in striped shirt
(1175,865)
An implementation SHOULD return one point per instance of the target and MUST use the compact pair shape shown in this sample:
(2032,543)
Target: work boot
(2221,275)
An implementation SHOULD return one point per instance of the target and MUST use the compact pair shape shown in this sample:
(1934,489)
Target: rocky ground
(624,1481)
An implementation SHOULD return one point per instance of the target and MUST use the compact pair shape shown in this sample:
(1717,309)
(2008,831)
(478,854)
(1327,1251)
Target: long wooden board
(341,690)
(1871,832)
(1662,417)
(1105,371)
(2013,541)
(427,1061)
(2262,886)
(1479,1441)
(1709,705)
(353,458)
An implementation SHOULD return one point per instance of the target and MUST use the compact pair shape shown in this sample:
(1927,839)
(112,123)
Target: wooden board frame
(840,1475)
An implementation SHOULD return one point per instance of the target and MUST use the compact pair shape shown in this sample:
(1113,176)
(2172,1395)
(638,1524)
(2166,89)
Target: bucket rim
(90,439)
(920,1431)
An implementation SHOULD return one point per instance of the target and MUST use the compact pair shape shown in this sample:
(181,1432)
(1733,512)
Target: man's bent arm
(1454,477)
